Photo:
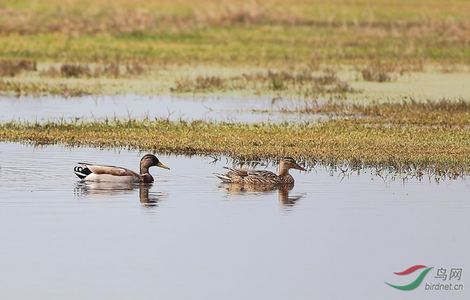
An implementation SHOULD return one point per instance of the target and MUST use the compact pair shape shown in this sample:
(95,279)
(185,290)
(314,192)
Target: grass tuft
(71,70)
(18,88)
(11,68)
(199,84)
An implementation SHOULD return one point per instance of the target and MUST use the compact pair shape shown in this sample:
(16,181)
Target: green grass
(377,38)
(241,45)
(413,137)
(357,143)
(267,33)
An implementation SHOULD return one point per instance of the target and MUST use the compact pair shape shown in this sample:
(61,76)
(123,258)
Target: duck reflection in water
(104,190)
(283,191)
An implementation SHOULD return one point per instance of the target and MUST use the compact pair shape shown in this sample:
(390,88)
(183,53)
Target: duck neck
(283,170)
(147,178)
(144,170)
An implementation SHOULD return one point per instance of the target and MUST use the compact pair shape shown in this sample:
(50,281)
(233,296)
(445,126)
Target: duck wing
(237,172)
(233,175)
(261,177)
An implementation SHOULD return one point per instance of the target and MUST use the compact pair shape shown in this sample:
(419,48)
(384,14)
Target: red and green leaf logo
(415,283)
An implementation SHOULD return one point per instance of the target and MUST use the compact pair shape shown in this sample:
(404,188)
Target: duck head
(150,160)
(289,163)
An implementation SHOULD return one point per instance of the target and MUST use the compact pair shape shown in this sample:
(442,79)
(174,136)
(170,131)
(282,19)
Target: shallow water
(224,109)
(189,237)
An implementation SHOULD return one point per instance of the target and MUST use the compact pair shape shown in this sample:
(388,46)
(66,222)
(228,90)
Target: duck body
(103,173)
(262,177)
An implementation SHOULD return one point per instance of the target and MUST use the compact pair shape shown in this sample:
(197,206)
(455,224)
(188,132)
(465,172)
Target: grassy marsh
(359,50)
(237,32)
(115,78)
(442,113)
(306,82)
(358,143)
(137,39)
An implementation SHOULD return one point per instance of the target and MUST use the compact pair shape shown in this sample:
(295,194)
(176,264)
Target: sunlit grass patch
(415,149)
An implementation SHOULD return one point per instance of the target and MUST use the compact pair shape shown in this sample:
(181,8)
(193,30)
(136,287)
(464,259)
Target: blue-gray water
(191,238)
(226,109)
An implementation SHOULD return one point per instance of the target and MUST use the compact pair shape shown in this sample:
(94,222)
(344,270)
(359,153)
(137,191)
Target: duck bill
(160,165)
(298,167)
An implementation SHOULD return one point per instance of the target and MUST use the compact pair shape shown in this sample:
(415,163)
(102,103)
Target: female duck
(91,172)
(262,177)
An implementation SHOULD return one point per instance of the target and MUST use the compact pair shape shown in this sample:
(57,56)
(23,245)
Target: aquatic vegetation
(19,88)
(268,47)
(371,74)
(199,84)
(72,70)
(11,67)
(306,81)
(413,136)
(357,143)
(107,70)
(380,71)
(444,112)
(303,83)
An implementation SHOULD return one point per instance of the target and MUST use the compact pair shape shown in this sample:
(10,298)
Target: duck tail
(81,171)
(223,177)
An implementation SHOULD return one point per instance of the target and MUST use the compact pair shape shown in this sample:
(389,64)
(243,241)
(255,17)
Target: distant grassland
(266,33)
(420,141)
(270,47)
(319,51)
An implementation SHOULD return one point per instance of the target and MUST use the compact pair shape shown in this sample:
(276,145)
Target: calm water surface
(188,237)
(259,109)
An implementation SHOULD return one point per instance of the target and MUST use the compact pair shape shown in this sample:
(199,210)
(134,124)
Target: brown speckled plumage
(262,177)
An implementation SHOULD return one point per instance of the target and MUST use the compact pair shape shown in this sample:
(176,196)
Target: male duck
(91,172)
(262,177)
